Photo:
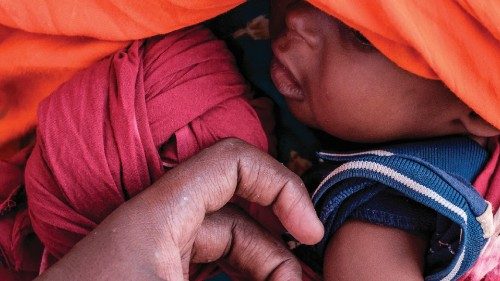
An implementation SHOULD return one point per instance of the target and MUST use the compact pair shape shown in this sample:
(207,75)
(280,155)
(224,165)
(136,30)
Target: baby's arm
(365,251)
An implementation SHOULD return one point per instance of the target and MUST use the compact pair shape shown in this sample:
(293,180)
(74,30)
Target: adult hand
(181,219)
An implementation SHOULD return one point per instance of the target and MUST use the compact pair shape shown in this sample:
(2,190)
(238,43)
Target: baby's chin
(301,111)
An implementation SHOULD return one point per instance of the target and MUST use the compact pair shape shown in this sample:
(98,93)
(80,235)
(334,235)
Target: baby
(334,80)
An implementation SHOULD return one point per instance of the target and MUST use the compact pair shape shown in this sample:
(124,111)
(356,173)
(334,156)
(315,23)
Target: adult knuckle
(233,145)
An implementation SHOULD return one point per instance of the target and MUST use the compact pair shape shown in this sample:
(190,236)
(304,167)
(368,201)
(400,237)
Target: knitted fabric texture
(435,173)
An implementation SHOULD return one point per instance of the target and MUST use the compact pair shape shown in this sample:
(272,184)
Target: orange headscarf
(43,43)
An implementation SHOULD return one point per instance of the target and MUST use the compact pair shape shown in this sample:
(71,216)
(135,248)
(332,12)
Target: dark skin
(333,79)
(148,238)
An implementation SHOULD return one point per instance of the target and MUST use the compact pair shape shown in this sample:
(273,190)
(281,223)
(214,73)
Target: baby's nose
(301,18)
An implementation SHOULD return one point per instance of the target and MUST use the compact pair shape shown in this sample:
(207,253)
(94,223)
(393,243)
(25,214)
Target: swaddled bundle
(109,132)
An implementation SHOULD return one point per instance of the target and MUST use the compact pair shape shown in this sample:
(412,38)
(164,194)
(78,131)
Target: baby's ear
(478,127)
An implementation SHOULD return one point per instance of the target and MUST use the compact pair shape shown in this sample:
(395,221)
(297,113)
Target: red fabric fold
(19,249)
(488,182)
(103,136)
(488,185)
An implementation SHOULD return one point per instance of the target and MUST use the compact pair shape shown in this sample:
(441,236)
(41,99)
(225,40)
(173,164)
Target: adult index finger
(233,236)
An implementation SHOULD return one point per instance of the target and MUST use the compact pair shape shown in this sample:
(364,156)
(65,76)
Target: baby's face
(334,80)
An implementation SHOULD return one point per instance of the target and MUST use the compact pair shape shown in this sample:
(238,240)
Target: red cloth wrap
(103,135)
(19,249)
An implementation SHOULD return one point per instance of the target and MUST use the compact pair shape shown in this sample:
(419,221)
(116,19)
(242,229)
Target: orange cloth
(31,67)
(455,41)
(43,43)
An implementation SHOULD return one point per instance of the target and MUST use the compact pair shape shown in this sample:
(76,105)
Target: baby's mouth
(285,82)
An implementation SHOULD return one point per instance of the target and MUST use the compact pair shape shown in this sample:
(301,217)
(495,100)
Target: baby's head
(334,80)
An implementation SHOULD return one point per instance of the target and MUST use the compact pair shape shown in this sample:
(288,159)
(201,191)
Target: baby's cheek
(302,111)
